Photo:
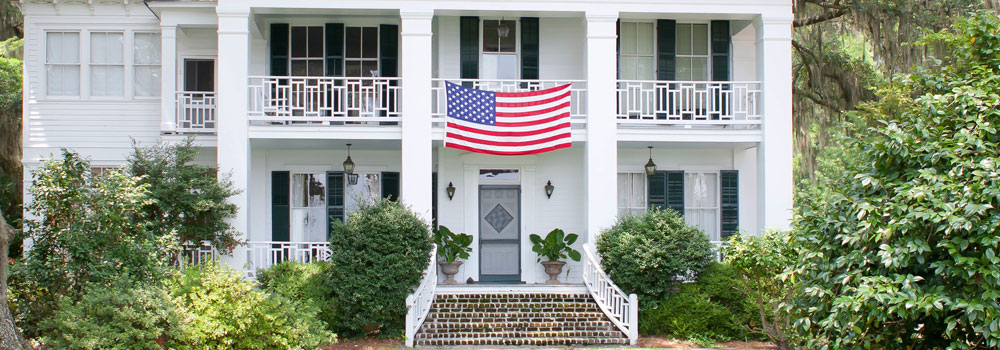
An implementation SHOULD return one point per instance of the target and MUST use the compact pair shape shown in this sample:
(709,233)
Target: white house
(277,90)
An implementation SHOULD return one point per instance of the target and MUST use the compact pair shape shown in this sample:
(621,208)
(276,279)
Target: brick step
(517,304)
(527,297)
(520,325)
(521,334)
(516,315)
(522,341)
(447,311)
(456,330)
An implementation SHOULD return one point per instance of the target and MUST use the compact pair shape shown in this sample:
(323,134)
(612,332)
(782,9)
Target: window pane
(369,42)
(699,68)
(315,68)
(147,48)
(317,190)
(638,191)
(369,68)
(683,71)
(645,68)
(500,66)
(62,80)
(107,80)
(628,65)
(62,47)
(315,42)
(644,41)
(352,68)
(300,192)
(508,43)
(300,68)
(700,38)
(299,37)
(353,42)
(628,38)
(683,39)
(623,191)
(491,40)
(106,48)
(147,80)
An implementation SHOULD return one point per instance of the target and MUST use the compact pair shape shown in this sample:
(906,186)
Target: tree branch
(826,16)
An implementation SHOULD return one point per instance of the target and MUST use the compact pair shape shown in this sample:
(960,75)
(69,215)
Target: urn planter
(449,270)
(554,269)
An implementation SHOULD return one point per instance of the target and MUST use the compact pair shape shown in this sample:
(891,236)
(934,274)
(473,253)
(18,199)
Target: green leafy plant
(555,246)
(708,309)
(452,246)
(302,283)
(760,262)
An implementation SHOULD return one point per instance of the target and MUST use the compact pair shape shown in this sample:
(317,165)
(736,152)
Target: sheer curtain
(701,202)
(62,64)
(107,64)
(146,63)
(631,193)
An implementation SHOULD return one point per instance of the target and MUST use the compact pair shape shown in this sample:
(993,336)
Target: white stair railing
(419,303)
(621,308)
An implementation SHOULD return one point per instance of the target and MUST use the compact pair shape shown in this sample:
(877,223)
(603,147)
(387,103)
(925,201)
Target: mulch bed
(663,342)
(366,344)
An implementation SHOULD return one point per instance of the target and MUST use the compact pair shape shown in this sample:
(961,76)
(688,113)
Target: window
(146,64)
(308,212)
(307,51)
(637,57)
(62,64)
(361,49)
(500,49)
(631,193)
(199,75)
(107,64)
(701,202)
(692,51)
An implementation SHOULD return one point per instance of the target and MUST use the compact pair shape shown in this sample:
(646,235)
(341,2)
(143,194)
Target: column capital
(416,22)
(773,28)
(602,16)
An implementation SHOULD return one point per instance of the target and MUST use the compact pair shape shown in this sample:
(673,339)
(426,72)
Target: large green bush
(123,316)
(379,256)
(760,262)
(709,309)
(901,249)
(647,254)
(303,284)
(222,311)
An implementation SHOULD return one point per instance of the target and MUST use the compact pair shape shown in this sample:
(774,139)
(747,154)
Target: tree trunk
(10,335)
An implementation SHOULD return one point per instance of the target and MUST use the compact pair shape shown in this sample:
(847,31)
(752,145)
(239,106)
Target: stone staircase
(512,318)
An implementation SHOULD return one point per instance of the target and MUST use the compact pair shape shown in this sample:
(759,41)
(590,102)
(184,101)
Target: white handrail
(419,303)
(621,308)
(264,254)
(288,99)
(196,111)
(689,102)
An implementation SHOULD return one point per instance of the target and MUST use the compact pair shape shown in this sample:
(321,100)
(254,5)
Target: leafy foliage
(646,254)
(123,316)
(378,257)
(708,310)
(10,140)
(222,311)
(86,230)
(302,284)
(759,262)
(900,249)
(556,246)
(185,197)
(452,246)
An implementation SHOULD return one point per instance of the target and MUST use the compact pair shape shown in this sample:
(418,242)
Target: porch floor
(509,288)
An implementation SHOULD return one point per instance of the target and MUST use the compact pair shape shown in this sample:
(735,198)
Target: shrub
(760,262)
(646,254)
(705,311)
(378,258)
(221,311)
(124,316)
(303,284)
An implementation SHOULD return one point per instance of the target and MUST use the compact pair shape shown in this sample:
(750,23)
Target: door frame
(479,219)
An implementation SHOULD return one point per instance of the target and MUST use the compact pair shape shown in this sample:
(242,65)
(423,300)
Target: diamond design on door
(499,218)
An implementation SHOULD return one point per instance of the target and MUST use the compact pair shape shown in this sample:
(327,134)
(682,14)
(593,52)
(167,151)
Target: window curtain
(107,64)
(146,51)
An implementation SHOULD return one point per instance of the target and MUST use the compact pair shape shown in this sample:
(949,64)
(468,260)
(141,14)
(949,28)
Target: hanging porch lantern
(650,166)
(348,163)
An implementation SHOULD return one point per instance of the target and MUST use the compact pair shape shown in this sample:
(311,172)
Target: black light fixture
(548,189)
(451,190)
(349,164)
(650,166)
(352,179)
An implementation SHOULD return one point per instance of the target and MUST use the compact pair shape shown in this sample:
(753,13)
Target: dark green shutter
(469,47)
(279,206)
(334,197)
(334,42)
(729,190)
(720,50)
(666,49)
(388,50)
(390,185)
(279,49)
(666,190)
(529,47)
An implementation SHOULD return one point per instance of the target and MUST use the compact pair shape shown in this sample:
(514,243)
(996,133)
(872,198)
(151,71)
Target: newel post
(633,317)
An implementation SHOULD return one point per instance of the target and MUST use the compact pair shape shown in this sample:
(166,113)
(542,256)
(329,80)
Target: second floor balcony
(288,100)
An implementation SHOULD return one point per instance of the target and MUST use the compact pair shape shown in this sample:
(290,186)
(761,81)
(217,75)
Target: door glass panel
(496,259)
(499,175)
(308,214)
(500,66)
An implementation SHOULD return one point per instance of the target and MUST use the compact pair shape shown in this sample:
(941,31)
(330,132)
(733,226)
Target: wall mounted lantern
(451,190)
(650,166)
(548,189)
(352,179)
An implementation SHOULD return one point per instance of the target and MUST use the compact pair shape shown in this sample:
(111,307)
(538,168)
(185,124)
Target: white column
(233,143)
(416,162)
(601,156)
(774,155)
(168,78)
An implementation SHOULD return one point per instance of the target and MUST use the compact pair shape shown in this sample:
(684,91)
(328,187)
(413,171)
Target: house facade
(279,93)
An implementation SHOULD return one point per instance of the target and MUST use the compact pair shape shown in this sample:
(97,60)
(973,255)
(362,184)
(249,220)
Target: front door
(500,234)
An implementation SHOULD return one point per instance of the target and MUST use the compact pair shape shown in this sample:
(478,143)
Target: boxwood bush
(302,284)
(646,254)
(379,255)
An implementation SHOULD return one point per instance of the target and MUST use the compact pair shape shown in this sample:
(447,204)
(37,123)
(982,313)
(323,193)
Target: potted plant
(554,247)
(451,247)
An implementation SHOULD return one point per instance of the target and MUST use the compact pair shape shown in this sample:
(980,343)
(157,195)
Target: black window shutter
(529,47)
(720,50)
(469,47)
(334,42)
(657,197)
(334,197)
(279,206)
(729,190)
(390,185)
(666,49)
(388,50)
(675,190)
(279,49)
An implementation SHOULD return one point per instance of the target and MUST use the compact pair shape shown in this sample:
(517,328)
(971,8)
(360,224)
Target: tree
(10,139)
(900,250)
(10,335)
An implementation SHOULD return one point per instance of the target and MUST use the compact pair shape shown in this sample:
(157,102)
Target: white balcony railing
(324,100)
(621,308)
(688,103)
(196,112)
(578,93)
(264,254)
(193,253)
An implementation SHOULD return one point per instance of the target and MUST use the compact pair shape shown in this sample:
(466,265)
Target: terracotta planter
(553,268)
(449,270)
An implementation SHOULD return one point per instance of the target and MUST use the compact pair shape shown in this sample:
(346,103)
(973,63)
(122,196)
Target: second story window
(307,51)
(361,48)
(637,61)
(692,51)
(500,49)
(146,65)
(62,63)
(107,64)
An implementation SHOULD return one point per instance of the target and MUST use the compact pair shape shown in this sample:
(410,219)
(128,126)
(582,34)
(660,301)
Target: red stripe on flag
(532,93)
(535,122)
(508,133)
(508,153)
(533,103)
(534,112)
(508,144)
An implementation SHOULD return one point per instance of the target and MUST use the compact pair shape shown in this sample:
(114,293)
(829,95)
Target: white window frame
(645,191)
(134,65)
(85,94)
(708,45)
(79,64)
(653,38)
(517,44)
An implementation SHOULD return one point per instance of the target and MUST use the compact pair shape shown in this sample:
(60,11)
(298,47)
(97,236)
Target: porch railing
(621,308)
(689,103)
(578,93)
(264,254)
(324,100)
(193,253)
(419,303)
(196,112)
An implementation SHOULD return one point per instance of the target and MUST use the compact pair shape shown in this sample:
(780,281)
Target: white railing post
(633,316)
(418,304)
(621,309)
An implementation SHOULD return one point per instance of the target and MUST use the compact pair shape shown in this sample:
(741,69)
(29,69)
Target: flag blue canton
(472,105)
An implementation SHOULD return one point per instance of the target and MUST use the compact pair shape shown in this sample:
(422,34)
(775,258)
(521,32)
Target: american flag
(508,123)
